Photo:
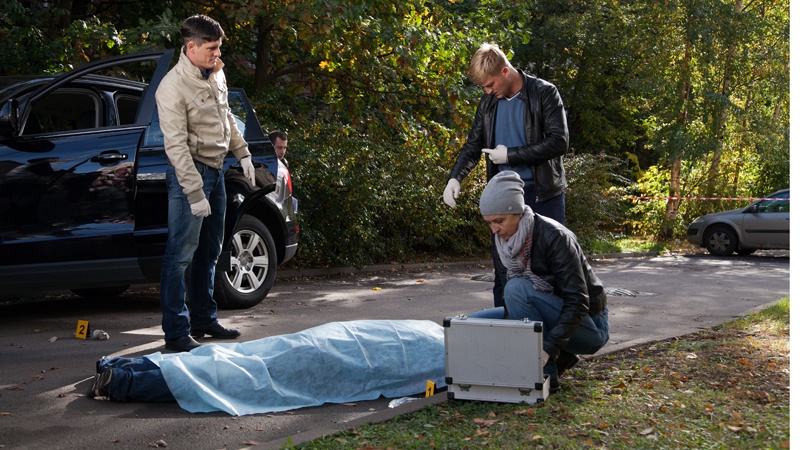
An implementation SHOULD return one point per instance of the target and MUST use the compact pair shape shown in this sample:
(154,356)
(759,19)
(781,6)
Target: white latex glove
(498,155)
(451,192)
(249,170)
(201,208)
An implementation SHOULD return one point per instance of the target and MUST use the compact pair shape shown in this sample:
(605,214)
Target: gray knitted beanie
(503,194)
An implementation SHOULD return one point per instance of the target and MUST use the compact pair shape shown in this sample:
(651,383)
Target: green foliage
(376,102)
(593,210)
(367,197)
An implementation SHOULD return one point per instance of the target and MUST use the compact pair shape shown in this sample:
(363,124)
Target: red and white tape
(749,199)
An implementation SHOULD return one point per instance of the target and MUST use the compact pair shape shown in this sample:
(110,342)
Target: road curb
(322,272)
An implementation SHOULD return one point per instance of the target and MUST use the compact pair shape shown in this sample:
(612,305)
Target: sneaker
(100,384)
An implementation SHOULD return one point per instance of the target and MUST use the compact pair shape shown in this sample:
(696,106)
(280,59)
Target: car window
(774,206)
(127,105)
(239,110)
(64,110)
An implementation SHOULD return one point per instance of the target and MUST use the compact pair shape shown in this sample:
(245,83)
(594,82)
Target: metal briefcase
(494,360)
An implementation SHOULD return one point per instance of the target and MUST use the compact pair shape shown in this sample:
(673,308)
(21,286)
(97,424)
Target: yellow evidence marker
(429,388)
(82,330)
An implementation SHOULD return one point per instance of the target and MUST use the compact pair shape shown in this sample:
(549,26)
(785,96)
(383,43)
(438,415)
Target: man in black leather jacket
(521,125)
(544,275)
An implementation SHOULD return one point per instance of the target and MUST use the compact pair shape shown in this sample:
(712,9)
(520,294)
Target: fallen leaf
(691,356)
(376,288)
(646,431)
(736,415)
(53,339)
(420,280)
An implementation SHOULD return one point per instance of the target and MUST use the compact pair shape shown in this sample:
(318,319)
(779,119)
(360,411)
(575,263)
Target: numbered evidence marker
(429,388)
(82,330)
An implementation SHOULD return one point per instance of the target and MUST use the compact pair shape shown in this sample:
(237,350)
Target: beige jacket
(197,123)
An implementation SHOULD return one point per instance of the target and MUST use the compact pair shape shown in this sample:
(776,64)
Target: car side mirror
(752,209)
(9,118)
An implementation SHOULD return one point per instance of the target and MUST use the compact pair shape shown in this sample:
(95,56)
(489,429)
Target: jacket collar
(186,64)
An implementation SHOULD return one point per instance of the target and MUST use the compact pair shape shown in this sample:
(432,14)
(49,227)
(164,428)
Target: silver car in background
(761,225)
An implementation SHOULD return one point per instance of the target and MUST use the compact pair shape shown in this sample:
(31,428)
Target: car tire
(721,240)
(103,292)
(254,263)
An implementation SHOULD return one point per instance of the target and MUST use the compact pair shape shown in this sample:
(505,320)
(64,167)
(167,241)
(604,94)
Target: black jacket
(546,132)
(558,259)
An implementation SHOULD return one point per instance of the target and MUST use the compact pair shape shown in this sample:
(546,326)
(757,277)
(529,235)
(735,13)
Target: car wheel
(253,266)
(721,241)
(103,292)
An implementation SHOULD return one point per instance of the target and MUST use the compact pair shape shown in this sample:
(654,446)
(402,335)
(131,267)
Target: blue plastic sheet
(333,363)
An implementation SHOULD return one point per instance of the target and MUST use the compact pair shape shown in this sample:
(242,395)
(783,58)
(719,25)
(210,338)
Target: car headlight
(698,220)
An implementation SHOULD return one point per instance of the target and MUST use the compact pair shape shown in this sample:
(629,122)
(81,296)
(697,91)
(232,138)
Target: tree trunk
(722,115)
(263,48)
(683,119)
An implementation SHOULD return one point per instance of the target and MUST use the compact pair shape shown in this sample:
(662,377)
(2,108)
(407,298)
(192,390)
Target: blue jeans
(193,248)
(135,379)
(554,208)
(522,301)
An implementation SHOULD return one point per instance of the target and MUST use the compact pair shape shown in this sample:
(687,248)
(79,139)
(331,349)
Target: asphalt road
(45,370)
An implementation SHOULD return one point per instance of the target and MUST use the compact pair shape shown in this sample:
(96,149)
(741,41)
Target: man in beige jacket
(199,130)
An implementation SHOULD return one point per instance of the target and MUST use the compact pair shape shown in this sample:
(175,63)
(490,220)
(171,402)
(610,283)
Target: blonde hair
(489,60)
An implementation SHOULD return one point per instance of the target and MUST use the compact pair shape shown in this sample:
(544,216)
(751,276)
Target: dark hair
(278,134)
(201,28)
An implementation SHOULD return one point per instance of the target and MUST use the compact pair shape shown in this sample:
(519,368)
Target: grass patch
(726,387)
(624,245)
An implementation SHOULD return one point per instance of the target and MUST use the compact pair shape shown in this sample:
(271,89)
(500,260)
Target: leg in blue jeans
(200,284)
(136,379)
(522,301)
(184,249)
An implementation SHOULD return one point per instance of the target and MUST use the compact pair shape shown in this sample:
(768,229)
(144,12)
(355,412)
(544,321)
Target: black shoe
(566,361)
(216,331)
(555,385)
(181,344)
(100,383)
(551,371)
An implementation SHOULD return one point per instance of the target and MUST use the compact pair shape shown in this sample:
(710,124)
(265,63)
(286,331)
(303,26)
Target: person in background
(199,130)
(521,125)
(280,142)
(544,275)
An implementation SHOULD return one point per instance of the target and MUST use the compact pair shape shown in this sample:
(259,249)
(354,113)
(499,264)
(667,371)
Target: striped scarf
(515,253)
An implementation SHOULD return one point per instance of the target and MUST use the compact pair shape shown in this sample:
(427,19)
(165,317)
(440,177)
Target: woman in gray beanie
(545,277)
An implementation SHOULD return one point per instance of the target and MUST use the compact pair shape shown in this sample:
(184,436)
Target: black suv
(83,202)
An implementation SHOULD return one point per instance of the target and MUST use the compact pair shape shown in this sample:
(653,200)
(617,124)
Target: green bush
(368,197)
